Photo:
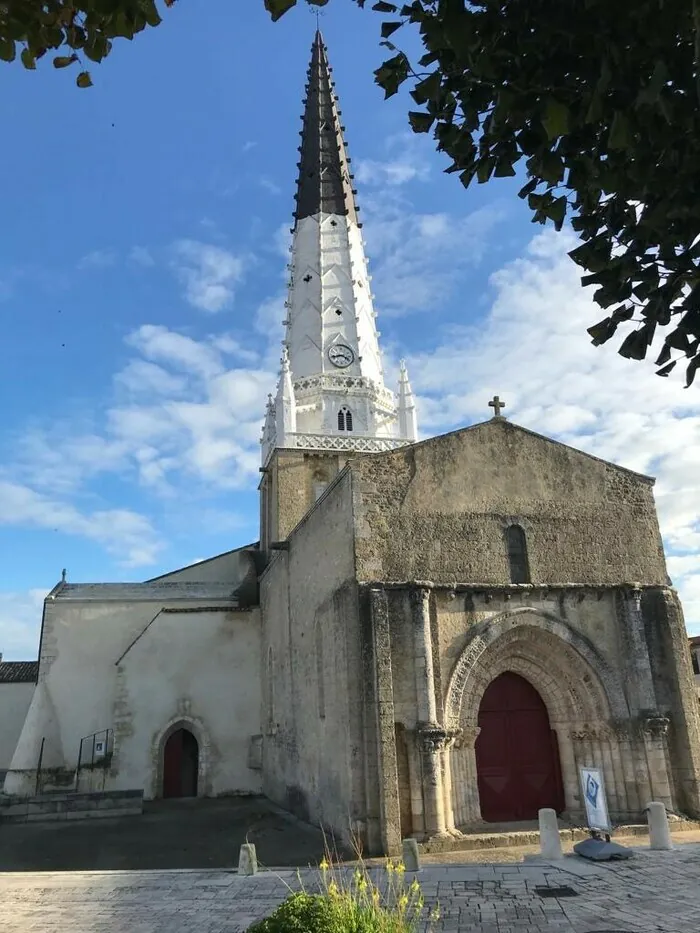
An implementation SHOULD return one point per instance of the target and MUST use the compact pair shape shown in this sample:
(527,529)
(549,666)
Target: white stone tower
(331,393)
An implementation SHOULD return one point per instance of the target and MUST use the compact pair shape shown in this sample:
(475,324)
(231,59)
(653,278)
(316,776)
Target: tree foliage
(599,101)
(79,29)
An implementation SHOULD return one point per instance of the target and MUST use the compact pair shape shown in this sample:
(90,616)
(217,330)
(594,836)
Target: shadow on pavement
(170,834)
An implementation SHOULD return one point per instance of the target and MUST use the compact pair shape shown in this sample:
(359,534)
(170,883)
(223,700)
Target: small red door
(180,765)
(517,759)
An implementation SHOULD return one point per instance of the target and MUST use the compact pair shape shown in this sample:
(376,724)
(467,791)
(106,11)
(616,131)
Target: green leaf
(63,61)
(277,8)
(529,188)
(691,370)
(428,88)
(7,49)
(620,132)
(382,7)
(390,28)
(84,79)
(420,122)
(392,74)
(28,60)
(557,212)
(635,344)
(666,369)
(150,11)
(556,118)
(602,331)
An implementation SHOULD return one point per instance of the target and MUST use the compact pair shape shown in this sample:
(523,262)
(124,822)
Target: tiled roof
(148,591)
(18,672)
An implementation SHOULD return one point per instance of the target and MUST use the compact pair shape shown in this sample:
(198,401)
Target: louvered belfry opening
(324,184)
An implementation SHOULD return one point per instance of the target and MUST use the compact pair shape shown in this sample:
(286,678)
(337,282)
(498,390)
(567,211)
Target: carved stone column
(432,739)
(639,678)
(470,810)
(423,654)
(654,732)
(447,783)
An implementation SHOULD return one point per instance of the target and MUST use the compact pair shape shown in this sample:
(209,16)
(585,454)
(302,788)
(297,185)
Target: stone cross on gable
(497,405)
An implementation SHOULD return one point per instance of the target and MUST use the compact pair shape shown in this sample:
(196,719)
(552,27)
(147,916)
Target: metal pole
(38,769)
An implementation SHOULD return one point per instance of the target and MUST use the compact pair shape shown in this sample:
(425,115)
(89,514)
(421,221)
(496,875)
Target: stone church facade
(429,637)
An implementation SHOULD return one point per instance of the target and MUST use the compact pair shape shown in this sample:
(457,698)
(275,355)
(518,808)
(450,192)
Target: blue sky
(142,276)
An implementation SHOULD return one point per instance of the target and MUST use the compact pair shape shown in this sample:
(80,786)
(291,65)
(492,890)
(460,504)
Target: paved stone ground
(169,834)
(656,892)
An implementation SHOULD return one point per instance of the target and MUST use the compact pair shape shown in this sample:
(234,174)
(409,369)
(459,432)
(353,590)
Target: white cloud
(418,259)
(532,349)
(407,161)
(177,350)
(269,185)
(124,533)
(208,273)
(98,259)
(20,624)
(141,256)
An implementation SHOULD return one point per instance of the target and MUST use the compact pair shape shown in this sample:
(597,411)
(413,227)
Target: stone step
(71,806)
(512,838)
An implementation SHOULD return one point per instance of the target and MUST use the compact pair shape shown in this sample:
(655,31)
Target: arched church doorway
(517,758)
(180,764)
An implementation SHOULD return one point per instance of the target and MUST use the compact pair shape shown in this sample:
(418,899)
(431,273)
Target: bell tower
(331,401)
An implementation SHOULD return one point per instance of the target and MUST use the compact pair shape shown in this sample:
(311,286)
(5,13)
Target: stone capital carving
(418,592)
(432,738)
(467,737)
(655,726)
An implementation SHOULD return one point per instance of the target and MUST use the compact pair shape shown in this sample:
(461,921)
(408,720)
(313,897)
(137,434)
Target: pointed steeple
(331,394)
(324,183)
(285,404)
(408,423)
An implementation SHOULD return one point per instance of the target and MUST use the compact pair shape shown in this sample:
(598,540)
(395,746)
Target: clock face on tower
(340,355)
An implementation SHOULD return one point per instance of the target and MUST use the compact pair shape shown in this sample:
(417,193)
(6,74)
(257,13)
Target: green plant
(349,901)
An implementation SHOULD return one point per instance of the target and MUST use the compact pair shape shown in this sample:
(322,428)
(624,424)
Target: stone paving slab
(656,892)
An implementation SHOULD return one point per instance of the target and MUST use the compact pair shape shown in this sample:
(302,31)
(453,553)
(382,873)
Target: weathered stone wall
(138,667)
(675,691)
(439,510)
(14,703)
(603,661)
(290,487)
(312,752)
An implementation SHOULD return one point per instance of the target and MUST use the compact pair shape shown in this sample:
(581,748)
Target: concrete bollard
(550,842)
(247,860)
(411,859)
(659,831)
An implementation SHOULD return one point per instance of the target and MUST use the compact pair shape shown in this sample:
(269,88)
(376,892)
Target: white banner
(594,800)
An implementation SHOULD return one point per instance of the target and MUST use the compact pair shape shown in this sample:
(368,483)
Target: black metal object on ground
(562,891)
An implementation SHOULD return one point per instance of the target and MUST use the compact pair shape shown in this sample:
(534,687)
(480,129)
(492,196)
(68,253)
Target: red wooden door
(180,765)
(517,759)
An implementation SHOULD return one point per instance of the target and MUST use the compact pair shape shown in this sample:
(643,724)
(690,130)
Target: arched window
(345,419)
(517,555)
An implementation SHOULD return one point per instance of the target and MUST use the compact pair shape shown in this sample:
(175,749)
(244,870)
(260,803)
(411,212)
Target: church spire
(331,394)
(408,423)
(324,184)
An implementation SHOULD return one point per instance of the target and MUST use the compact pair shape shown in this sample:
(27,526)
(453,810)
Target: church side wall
(187,665)
(439,511)
(14,703)
(312,753)
(198,670)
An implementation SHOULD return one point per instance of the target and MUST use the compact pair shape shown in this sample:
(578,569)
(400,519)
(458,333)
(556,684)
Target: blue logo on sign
(592,789)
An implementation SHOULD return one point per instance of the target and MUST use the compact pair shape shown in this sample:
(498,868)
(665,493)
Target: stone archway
(198,768)
(517,756)
(585,704)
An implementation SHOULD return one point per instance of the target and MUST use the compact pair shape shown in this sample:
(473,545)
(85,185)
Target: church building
(430,637)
